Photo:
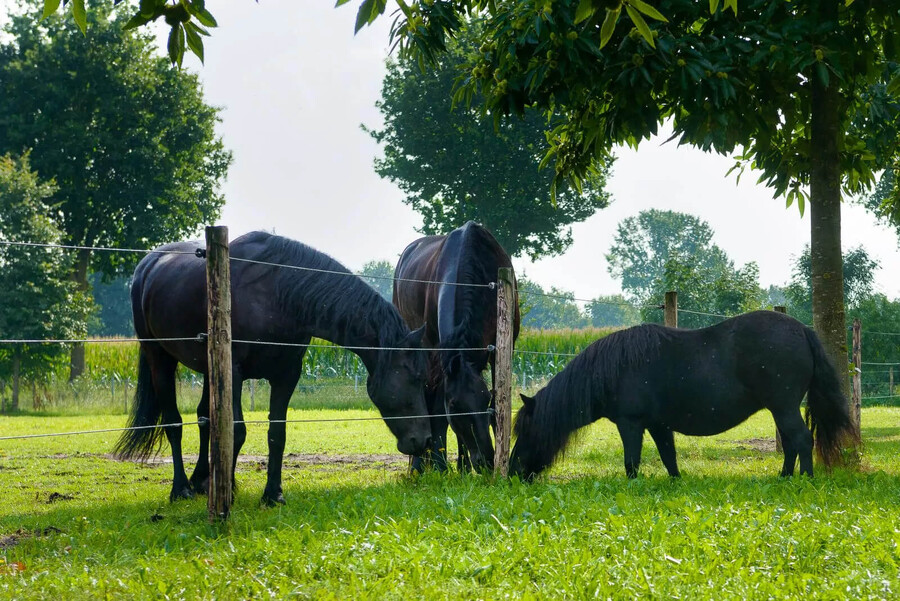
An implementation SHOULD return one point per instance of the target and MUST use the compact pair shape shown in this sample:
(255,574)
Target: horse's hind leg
(164,384)
(632,435)
(665,444)
(278,405)
(200,477)
(796,440)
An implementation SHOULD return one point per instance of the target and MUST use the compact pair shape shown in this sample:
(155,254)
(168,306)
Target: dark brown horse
(270,304)
(455,317)
(695,382)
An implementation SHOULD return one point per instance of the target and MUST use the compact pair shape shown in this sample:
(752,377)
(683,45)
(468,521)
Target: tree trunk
(17,364)
(825,216)
(80,277)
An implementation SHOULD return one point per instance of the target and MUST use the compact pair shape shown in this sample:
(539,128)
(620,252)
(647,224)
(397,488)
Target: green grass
(84,526)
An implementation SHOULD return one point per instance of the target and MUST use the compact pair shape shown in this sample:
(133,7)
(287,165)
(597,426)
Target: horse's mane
(344,305)
(480,256)
(575,397)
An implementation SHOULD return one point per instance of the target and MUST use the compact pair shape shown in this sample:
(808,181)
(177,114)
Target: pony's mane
(480,256)
(344,305)
(575,397)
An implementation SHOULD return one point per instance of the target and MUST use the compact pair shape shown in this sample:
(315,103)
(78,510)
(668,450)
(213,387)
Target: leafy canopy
(38,300)
(128,138)
(658,251)
(456,164)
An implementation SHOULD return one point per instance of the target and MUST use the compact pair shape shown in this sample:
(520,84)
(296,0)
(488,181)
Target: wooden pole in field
(778,446)
(856,380)
(670,310)
(221,426)
(506,299)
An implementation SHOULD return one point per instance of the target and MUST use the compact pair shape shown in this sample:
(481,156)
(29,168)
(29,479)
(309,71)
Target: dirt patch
(55,497)
(760,445)
(297,460)
(8,541)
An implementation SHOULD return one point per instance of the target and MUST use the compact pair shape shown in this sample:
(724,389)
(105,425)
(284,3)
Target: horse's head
(397,389)
(465,392)
(527,459)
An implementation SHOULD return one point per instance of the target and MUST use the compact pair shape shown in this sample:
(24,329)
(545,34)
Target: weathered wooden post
(506,299)
(778,446)
(670,310)
(856,379)
(221,426)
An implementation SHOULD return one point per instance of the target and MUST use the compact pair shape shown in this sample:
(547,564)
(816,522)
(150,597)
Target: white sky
(295,85)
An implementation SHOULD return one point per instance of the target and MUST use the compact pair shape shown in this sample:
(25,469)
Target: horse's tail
(146,411)
(827,409)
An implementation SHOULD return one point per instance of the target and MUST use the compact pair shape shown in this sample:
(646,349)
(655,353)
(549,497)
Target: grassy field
(75,524)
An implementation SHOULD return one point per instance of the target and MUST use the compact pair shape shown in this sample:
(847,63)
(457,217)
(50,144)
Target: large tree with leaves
(456,164)
(38,300)
(127,137)
(658,251)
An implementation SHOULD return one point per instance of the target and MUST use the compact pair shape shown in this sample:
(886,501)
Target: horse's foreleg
(200,477)
(164,384)
(240,428)
(665,444)
(632,434)
(278,406)
(796,440)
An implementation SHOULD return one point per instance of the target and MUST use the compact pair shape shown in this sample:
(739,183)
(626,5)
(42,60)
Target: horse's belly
(710,419)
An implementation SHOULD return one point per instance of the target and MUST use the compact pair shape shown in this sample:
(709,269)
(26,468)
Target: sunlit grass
(84,526)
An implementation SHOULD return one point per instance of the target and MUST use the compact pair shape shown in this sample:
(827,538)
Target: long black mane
(576,396)
(343,306)
(479,257)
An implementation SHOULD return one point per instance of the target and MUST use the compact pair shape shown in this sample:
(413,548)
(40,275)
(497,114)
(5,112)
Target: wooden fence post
(778,446)
(856,380)
(506,299)
(670,310)
(221,427)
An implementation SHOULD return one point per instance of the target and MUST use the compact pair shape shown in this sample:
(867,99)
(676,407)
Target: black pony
(695,382)
(455,317)
(270,304)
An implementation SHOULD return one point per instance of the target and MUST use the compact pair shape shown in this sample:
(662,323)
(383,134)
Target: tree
(112,300)
(548,309)
(127,137)
(658,251)
(38,300)
(859,276)
(613,311)
(455,164)
(379,275)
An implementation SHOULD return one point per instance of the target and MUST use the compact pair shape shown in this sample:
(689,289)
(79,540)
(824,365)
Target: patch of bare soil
(760,445)
(300,460)
(8,541)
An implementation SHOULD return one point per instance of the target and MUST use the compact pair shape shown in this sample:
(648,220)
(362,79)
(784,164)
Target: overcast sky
(295,84)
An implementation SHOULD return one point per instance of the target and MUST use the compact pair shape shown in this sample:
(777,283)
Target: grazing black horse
(271,304)
(455,317)
(695,382)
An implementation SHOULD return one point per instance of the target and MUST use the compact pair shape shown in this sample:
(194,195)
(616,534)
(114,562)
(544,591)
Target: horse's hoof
(201,487)
(270,500)
(184,492)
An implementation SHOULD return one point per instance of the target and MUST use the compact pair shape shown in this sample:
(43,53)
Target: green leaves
(50,7)
(79,14)
(369,10)
(609,25)
(176,44)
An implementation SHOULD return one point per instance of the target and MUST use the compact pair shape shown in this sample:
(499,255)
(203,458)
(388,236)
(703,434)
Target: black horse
(695,382)
(455,316)
(270,304)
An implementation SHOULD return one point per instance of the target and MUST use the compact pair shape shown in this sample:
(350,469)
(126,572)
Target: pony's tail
(827,409)
(146,411)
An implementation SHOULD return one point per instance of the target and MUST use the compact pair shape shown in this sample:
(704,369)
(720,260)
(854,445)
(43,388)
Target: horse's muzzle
(413,445)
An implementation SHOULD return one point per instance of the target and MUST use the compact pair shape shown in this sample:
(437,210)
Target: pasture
(76,524)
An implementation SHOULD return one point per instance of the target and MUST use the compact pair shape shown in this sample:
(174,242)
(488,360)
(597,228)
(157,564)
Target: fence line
(100,248)
(204,420)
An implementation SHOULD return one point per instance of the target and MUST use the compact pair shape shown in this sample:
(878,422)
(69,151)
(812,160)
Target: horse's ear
(528,401)
(414,339)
